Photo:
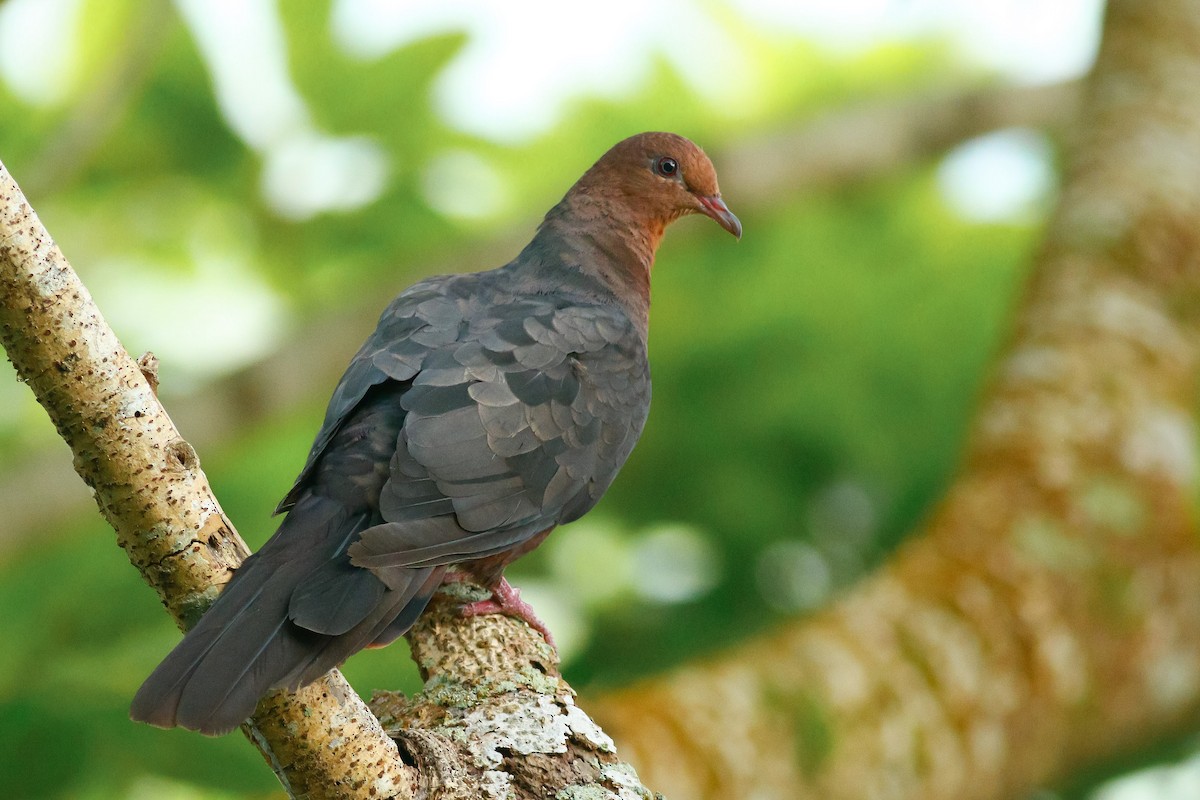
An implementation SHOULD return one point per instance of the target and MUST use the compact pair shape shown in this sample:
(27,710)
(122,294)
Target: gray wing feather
(519,425)
(427,312)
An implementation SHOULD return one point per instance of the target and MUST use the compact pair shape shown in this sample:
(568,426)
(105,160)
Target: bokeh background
(244,185)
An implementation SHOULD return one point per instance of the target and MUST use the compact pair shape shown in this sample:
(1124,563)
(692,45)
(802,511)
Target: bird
(485,409)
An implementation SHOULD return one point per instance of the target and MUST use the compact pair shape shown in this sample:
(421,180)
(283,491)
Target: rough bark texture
(496,718)
(844,146)
(1046,616)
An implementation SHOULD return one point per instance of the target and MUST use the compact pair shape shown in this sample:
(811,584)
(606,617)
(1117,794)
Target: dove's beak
(715,207)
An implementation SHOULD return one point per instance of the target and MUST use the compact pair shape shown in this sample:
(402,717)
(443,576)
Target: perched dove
(484,410)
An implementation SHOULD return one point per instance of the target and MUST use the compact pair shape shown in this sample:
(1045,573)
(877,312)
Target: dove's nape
(484,410)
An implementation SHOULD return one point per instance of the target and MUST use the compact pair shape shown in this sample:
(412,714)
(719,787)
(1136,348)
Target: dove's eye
(666,166)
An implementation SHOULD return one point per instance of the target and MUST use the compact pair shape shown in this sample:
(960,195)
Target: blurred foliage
(838,345)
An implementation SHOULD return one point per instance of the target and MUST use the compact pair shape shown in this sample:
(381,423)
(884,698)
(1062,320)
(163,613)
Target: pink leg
(505,600)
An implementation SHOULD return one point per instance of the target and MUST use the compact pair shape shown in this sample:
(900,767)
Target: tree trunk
(1046,615)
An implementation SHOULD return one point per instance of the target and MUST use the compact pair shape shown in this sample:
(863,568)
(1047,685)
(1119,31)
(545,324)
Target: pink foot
(507,600)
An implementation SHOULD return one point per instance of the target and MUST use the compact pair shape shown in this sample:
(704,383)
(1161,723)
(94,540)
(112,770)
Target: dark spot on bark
(181,453)
(406,755)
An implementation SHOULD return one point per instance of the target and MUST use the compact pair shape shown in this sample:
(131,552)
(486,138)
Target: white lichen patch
(494,783)
(582,726)
(617,782)
(205,505)
(625,781)
(56,278)
(516,726)
(526,725)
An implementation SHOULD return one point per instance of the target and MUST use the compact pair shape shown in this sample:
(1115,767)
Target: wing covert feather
(515,426)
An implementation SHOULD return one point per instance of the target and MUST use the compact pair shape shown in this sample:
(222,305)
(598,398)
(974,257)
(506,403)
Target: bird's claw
(506,600)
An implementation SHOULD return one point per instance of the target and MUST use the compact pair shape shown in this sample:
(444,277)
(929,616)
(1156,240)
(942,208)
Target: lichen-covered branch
(1046,615)
(496,719)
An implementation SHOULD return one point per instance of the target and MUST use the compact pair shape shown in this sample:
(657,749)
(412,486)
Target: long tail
(292,612)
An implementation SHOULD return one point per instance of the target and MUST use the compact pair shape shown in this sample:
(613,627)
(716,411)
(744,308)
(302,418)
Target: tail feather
(158,699)
(270,628)
(408,615)
(336,596)
(407,603)
(215,704)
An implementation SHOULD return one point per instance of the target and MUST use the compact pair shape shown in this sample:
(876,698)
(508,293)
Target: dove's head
(610,223)
(660,177)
